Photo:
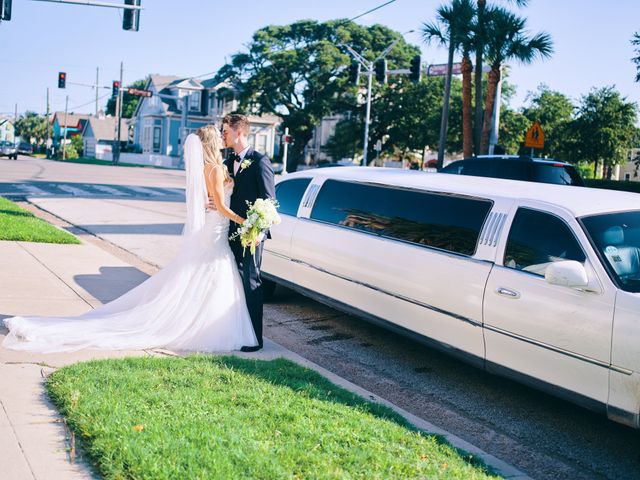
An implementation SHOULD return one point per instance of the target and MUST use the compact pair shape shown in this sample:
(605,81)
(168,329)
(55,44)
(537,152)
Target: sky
(191,38)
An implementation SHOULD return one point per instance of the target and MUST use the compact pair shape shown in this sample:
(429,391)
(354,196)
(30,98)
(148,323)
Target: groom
(253,178)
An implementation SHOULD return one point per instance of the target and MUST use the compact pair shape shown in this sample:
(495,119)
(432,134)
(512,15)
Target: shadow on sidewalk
(111,282)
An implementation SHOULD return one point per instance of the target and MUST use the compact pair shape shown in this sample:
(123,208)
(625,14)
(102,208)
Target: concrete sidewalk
(52,280)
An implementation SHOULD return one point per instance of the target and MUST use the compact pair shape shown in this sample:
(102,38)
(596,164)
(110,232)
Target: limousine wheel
(268,290)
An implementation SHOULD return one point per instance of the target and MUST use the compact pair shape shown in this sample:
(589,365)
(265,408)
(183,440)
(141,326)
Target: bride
(195,303)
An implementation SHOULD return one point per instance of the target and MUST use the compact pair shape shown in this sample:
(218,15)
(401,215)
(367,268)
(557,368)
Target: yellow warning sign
(534,137)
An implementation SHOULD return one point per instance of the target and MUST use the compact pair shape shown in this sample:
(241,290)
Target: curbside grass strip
(229,417)
(18,224)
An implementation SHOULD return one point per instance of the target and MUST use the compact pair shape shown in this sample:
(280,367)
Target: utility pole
(116,143)
(286,151)
(97,87)
(64,141)
(46,145)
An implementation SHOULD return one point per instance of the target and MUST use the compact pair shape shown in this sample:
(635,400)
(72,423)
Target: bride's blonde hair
(211,147)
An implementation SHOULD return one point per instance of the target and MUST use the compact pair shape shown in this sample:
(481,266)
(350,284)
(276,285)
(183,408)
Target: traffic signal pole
(116,143)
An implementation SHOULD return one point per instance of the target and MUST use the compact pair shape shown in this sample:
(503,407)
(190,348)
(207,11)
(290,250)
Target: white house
(98,135)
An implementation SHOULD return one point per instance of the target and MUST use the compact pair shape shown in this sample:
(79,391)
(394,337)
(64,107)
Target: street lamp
(369,71)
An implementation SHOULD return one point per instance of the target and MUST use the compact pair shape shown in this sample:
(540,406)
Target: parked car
(25,148)
(515,167)
(540,283)
(8,149)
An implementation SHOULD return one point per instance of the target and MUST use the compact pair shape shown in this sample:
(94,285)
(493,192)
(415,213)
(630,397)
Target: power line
(372,10)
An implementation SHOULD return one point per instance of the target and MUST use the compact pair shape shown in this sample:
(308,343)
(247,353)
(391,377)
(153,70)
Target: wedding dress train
(195,303)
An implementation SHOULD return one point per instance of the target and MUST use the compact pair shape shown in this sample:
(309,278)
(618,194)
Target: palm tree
(635,41)
(480,41)
(452,21)
(467,43)
(507,40)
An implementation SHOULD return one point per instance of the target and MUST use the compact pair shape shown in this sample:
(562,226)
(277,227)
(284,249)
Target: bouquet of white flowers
(261,216)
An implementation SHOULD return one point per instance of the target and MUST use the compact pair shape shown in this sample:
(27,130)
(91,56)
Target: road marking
(73,190)
(110,190)
(31,189)
(146,191)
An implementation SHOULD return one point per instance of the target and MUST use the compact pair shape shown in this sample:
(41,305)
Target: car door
(557,335)
(276,260)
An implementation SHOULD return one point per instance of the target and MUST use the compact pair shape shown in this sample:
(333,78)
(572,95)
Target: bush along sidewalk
(18,224)
(226,417)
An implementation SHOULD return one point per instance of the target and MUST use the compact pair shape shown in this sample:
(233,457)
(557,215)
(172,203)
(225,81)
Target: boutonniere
(245,164)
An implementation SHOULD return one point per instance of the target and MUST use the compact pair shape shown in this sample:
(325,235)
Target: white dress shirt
(236,164)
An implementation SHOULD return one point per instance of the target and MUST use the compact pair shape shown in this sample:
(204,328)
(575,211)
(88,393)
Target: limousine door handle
(507,293)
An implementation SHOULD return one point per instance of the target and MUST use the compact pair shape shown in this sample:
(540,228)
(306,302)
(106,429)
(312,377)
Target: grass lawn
(206,417)
(19,224)
(95,161)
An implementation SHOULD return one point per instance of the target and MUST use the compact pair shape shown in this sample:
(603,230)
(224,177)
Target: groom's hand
(211,205)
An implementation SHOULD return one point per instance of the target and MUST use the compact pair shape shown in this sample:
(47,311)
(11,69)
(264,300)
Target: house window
(194,101)
(157,131)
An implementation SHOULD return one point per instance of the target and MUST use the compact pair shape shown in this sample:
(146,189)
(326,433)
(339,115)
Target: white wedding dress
(195,303)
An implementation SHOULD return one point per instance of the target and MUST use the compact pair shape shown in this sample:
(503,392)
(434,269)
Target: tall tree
(604,129)
(481,37)
(635,41)
(300,71)
(129,102)
(554,111)
(412,114)
(508,40)
(32,127)
(452,26)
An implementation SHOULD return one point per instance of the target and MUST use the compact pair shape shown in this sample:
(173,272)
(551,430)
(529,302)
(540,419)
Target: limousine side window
(537,239)
(441,221)
(289,193)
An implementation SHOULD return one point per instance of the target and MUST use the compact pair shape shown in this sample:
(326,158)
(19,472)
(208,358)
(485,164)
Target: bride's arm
(215,186)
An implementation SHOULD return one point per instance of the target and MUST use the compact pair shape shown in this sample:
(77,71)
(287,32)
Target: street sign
(440,70)
(139,93)
(534,137)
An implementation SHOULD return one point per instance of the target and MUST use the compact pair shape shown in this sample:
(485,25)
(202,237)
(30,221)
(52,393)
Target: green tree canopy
(129,102)
(300,71)
(554,111)
(32,126)
(603,130)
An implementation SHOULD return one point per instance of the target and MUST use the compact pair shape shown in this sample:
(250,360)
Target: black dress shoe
(255,348)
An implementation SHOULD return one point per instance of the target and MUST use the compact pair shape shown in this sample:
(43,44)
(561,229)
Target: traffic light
(115,88)
(416,70)
(5,10)
(131,18)
(62,80)
(354,73)
(381,70)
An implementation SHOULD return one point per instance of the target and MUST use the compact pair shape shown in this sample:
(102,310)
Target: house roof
(72,119)
(104,128)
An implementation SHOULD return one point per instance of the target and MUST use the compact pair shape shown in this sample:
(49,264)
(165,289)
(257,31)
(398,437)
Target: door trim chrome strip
(561,351)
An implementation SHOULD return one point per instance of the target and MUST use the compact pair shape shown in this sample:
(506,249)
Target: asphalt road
(546,437)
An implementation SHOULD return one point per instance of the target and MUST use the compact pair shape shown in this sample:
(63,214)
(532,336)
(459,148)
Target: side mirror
(567,273)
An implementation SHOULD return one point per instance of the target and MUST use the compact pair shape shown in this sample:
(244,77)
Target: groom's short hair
(237,121)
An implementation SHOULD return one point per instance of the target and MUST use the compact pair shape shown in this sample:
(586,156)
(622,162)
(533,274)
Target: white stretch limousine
(533,281)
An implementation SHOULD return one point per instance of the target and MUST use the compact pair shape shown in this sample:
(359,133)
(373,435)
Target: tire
(268,290)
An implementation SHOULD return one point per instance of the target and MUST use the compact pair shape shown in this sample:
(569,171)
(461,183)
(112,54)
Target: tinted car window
(616,237)
(454,167)
(559,174)
(289,193)
(441,221)
(513,170)
(537,239)
(478,168)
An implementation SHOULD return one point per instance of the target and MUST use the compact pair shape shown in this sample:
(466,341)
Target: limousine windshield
(616,237)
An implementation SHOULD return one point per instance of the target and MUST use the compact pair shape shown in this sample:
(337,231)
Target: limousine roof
(580,201)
